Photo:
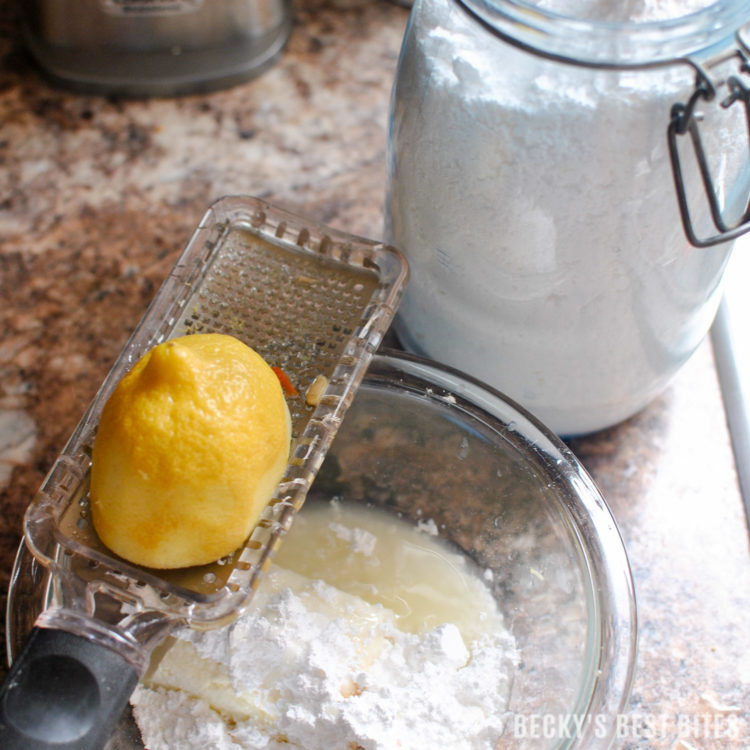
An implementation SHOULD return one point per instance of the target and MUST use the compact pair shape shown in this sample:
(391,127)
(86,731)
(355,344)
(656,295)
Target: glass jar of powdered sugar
(566,180)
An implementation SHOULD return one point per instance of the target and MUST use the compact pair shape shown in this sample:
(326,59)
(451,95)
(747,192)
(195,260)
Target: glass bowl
(428,442)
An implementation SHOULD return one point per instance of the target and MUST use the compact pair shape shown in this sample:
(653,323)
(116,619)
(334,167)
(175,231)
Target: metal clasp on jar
(684,119)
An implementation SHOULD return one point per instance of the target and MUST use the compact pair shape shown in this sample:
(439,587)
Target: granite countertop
(97,197)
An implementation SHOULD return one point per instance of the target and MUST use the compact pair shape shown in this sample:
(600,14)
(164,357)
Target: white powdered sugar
(361,540)
(314,667)
(535,202)
(428,527)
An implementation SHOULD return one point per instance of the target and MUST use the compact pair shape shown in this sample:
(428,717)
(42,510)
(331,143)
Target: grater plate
(312,301)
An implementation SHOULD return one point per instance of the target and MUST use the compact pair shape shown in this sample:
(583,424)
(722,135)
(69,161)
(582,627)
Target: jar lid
(558,30)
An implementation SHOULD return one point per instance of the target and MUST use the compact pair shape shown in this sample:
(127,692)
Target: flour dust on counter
(366,632)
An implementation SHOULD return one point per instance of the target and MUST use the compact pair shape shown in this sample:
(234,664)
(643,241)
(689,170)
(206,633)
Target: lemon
(189,449)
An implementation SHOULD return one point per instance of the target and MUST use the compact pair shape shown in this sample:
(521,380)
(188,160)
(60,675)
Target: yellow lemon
(190,447)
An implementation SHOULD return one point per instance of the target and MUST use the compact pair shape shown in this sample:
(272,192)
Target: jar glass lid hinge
(685,119)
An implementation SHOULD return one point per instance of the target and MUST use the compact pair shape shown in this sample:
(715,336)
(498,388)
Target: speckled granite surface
(97,197)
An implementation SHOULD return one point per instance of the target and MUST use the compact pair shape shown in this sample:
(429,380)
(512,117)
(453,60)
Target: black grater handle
(63,692)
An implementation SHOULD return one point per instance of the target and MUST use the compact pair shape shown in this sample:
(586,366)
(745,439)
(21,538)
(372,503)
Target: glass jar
(545,183)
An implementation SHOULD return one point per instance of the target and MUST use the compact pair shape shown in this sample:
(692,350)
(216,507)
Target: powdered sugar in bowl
(431,449)
(532,187)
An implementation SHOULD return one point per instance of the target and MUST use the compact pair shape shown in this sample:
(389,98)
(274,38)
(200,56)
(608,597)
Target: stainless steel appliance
(154,47)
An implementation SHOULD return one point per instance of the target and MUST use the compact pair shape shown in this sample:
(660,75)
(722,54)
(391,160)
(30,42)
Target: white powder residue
(428,527)
(536,205)
(311,667)
(361,540)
